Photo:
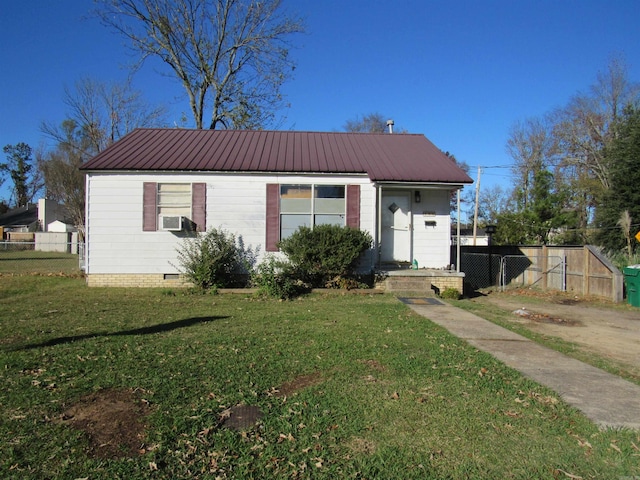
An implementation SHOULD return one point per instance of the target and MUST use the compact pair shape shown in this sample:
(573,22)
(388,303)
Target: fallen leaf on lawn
(284,437)
(225,414)
(395,396)
(584,443)
(615,447)
(153,466)
(634,446)
(569,475)
(319,462)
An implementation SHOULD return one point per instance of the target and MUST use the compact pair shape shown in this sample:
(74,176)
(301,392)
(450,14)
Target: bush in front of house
(325,253)
(215,259)
(277,278)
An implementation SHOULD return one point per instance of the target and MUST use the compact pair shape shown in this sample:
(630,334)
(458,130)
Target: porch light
(417,196)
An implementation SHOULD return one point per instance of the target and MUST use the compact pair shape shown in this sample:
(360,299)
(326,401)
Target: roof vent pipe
(390,125)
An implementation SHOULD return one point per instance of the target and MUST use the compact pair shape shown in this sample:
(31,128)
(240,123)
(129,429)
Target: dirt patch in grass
(303,381)
(374,364)
(113,421)
(545,318)
(361,446)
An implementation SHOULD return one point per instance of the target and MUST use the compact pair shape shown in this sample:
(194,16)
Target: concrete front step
(396,283)
(425,281)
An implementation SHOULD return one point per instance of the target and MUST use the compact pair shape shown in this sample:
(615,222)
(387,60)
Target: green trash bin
(632,282)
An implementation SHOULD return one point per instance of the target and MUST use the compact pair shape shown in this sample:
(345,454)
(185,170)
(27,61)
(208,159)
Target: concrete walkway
(606,399)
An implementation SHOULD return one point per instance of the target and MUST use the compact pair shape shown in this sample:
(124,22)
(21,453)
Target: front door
(396,227)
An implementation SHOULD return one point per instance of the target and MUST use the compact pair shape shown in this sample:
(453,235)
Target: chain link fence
(484,270)
(481,270)
(22,258)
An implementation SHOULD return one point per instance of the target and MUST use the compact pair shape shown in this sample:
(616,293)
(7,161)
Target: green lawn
(30,261)
(349,387)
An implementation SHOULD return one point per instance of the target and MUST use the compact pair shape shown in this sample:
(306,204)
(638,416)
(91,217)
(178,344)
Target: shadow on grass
(159,328)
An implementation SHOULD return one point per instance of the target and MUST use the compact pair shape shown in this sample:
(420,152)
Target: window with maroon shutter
(199,206)
(273,217)
(290,206)
(353,206)
(149,207)
(173,200)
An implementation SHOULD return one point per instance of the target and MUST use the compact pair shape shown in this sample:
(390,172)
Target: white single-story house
(146,191)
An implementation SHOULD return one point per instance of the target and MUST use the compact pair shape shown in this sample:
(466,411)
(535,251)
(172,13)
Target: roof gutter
(221,172)
(409,185)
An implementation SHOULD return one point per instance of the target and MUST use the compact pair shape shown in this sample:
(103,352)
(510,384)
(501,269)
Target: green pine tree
(623,154)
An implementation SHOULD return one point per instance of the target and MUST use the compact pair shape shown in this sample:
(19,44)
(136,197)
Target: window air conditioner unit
(171,223)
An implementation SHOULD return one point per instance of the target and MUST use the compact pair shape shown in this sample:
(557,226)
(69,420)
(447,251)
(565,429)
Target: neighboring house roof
(20,216)
(383,157)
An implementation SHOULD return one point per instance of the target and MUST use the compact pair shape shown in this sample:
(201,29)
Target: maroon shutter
(149,207)
(353,206)
(273,217)
(199,206)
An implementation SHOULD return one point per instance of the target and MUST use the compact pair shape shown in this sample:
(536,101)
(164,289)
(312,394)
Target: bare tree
(493,201)
(61,168)
(532,147)
(370,123)
(584,128)
(231,56)
(99,114)
(105,112)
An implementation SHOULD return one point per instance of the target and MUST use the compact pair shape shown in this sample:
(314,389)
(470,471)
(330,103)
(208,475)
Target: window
(307,205)
(174,199)
(186,200)
(327,205)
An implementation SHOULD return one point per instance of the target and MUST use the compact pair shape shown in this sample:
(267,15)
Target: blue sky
(460,72)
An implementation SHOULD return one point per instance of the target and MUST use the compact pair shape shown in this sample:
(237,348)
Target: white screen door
(396,227)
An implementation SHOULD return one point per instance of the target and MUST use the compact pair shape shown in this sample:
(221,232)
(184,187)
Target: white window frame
(181,208)
(312,214)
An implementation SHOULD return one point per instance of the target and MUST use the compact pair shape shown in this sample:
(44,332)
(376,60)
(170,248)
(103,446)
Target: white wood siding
(235,202)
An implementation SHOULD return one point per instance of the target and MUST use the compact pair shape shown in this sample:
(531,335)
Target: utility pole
(475,210)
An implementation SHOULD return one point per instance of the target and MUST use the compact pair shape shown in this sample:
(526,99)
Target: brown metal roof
(383,157)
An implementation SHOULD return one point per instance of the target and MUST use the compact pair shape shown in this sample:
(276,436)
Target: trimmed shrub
(325,252)
(214,259)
